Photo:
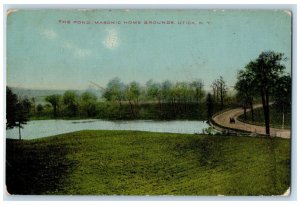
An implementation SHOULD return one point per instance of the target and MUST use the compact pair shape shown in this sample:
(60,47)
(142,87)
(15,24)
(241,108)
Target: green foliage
(283,93)
(70,100)
(263,75)
(265,71)
(11,111)
(54,100)
(145,163)
(153,90)
(114,90)
(88,104)
(244,87)
(164,101)
(39,108)
(197,86)
(275,117)
(166,90)
(133,92)
(17,111)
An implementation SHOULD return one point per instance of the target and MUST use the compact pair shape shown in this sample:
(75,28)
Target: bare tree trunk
(120,103)
(252,112)
(159,103)
(282,117)
(20,137)
(222,100)
(267,114)
(214,90)
(265,102)
(54,111)
(245,113)
(131,108)
(197,95)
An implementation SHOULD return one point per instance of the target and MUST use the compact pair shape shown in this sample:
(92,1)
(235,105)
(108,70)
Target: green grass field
(145,163)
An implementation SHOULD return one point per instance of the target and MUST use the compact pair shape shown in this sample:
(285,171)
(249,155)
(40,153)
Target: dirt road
(223,119)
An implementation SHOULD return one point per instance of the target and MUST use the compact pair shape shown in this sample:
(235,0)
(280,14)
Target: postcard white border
(221,5)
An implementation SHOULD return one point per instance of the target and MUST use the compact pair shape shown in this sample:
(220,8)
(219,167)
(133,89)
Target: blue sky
(44,53)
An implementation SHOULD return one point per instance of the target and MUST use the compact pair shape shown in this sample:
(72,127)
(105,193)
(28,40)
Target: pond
(45,128)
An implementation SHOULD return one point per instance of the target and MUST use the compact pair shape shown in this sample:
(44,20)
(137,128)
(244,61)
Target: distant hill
(40,94)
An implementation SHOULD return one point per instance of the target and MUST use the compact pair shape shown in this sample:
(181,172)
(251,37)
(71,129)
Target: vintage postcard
(148,102)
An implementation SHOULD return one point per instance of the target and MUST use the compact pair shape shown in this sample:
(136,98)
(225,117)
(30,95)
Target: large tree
(264,73)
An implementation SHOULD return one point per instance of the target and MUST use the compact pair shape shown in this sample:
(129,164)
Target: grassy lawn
(275,118)
(145,163)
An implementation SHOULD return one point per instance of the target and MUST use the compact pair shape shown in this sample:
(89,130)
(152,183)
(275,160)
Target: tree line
(177,95)
(153,100)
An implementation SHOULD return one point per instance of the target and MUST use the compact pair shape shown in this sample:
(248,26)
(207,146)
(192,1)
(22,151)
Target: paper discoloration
(11,11)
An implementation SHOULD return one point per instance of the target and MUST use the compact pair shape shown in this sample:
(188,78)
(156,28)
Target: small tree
(153,91)
(54,100)
(17,111)
(282,95)
(11,109)
(132,94)
(115,90)
(222,89)
(70,99)
(166,89)
(88,103)
(33,105)
(198,86)
(39,109)
(219,89)
(209,105)
(22,115)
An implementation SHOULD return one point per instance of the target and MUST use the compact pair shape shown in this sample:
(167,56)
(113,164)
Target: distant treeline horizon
(153,100)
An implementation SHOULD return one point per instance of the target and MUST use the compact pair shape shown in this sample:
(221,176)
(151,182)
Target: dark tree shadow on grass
(34,168)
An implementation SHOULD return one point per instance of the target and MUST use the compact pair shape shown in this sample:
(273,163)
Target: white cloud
(48,34)
(82,52)
(78,52)
(112,39)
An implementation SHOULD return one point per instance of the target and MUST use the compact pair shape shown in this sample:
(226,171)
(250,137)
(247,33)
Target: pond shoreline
(44,128)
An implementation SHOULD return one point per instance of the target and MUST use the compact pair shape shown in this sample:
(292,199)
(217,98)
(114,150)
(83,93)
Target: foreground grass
(144,163)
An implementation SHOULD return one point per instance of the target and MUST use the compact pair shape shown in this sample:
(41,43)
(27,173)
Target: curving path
(223,119)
